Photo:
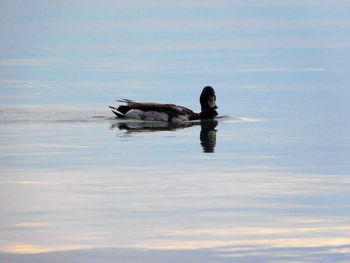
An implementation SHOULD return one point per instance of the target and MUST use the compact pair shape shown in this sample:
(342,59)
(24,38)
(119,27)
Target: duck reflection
(207,135)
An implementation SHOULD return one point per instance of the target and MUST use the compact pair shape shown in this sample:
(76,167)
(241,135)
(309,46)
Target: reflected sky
(93,188)
(269,181)
(231,211)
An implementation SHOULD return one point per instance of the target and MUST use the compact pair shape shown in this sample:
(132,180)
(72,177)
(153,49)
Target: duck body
(149,111)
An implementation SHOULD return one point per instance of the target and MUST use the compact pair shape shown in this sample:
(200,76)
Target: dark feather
(207,100)
(116,112)
(172,109)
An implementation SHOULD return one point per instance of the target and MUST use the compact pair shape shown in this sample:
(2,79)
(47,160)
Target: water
(88,186)
(268,181)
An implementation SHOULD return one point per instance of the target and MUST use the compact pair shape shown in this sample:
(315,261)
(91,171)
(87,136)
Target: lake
(267,181)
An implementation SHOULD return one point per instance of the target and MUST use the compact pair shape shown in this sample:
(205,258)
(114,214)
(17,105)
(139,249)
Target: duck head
(208,103)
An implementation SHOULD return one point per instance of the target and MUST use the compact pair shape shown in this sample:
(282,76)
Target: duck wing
(171,109)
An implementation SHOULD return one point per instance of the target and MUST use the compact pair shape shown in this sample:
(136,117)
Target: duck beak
(212,103)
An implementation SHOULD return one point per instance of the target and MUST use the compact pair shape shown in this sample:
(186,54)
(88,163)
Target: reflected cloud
(279,69)
(26,249)
(29,62)
(25,182)
(224,245)
(254,232)
(192,3)
(37,249)
(227,44)
(133,208)
(31,224)
(168,24)
(207,134)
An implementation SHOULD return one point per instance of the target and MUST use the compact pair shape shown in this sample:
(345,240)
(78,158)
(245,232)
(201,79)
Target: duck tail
(125,100)
(116,112)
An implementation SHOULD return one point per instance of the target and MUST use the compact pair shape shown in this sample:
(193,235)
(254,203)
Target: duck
(150,111)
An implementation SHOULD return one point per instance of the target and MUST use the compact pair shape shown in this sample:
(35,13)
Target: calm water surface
(269,181)
(77,184)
